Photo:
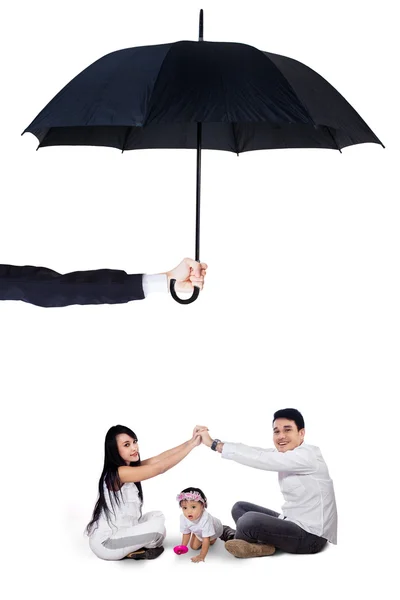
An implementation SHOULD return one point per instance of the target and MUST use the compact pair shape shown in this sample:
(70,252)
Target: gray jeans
(257,524)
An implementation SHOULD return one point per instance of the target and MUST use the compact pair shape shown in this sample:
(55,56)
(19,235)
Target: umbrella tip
(201,25)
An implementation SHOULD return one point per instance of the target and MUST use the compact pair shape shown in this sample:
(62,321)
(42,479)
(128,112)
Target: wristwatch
(214,444)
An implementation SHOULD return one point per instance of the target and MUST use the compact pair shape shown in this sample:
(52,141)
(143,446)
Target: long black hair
(109,476)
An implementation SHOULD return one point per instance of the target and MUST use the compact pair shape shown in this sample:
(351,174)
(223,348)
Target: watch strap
(214,444)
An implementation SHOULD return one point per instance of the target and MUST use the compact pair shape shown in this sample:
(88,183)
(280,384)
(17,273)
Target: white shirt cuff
(227,450)
(154,283)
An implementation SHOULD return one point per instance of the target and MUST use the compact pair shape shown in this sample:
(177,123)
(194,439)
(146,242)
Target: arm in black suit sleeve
(44,287)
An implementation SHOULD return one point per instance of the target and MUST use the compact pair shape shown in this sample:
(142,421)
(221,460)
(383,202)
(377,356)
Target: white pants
(148,533)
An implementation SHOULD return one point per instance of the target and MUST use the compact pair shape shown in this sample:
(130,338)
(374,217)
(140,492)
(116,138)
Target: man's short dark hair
(292,414)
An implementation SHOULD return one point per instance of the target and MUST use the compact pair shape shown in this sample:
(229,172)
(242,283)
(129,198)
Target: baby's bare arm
(204,549)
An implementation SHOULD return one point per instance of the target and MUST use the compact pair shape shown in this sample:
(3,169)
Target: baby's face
(192,510)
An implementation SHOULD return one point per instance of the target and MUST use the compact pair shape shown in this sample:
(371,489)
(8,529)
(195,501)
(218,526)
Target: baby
(197,525)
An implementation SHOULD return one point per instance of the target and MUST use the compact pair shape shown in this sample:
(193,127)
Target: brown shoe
(137,555)
(242,549)
(152,553)
(146,553)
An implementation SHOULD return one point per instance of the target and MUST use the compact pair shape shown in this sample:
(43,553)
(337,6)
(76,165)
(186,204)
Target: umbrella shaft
(198,180)
(197,250)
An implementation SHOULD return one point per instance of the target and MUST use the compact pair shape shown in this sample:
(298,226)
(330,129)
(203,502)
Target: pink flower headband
(194,496)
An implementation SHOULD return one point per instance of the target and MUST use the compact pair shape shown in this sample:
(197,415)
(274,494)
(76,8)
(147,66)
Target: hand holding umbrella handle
(193,297)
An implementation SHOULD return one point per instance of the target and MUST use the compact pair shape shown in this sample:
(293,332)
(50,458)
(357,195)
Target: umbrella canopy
(154,96)
(213,95)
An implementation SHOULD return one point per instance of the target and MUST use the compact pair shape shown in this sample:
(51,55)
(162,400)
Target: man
(308,518)
(47,288)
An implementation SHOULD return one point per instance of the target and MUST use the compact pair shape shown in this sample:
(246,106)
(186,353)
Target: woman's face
(128,448)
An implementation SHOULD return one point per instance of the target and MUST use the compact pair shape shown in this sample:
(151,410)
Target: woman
(118,528)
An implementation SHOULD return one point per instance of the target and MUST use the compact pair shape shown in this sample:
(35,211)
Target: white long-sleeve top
(304,481)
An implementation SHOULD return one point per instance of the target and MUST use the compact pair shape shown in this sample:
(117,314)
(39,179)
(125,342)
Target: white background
(300,307)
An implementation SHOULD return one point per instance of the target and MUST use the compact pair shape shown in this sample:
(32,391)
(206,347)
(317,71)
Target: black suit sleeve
(44,287)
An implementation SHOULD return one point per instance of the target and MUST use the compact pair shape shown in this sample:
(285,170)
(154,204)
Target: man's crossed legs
(259,532)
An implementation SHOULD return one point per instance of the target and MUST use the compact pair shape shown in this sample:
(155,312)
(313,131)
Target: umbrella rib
(290,85)
(43,138)
(146,115)
(333,137)
(227,111)
(128,131)
(235,138)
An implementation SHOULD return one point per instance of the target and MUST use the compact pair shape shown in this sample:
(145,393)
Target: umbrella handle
(193,297)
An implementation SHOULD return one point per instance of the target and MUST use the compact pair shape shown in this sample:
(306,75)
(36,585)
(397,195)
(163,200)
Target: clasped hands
(201,435)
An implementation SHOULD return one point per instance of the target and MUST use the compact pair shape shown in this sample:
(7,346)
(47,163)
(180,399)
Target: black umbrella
(213,95)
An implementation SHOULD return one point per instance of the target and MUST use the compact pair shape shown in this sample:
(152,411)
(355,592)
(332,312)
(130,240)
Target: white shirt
(205,526)
(154,283)
(304,481)
(125,513)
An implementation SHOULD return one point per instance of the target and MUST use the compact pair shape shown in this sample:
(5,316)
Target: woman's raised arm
(167,453)
(152,469)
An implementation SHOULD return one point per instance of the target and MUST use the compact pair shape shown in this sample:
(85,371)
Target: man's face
(286,435)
